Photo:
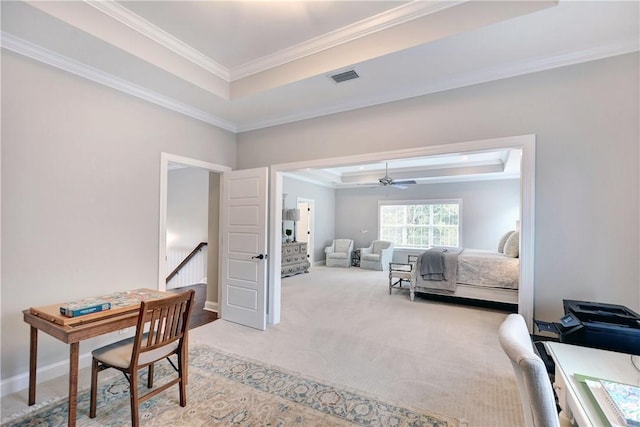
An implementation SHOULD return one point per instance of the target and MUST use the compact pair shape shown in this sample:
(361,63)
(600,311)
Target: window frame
(448,201)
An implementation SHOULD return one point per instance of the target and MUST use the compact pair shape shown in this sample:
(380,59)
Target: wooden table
(74,330)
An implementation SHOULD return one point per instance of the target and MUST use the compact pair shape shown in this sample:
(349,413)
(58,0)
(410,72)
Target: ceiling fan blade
(405,182)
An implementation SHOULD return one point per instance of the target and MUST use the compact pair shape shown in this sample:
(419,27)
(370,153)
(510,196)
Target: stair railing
(186,260)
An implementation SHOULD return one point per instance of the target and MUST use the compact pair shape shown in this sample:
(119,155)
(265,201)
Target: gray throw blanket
(432,264)
(448,278)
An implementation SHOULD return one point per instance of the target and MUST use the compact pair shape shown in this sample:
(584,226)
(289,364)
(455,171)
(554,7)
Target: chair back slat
(161,322)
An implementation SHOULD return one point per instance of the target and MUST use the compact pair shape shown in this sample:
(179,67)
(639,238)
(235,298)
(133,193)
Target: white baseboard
(21,381)
(211,306)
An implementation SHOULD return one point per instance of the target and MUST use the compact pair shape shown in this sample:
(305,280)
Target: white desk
(573,397)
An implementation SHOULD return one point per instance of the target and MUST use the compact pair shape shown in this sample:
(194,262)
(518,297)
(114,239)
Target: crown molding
(38,53)
(25,48)
(156,34)
(398,15)
(482,76)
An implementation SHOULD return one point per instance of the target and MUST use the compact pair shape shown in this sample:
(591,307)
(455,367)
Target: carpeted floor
(342,325)
(225,390)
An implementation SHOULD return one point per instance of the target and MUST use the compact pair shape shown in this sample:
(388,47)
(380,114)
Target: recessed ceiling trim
(38,53)
(398,15)
(156,34)
(373,178)
(379,22)
(482,76)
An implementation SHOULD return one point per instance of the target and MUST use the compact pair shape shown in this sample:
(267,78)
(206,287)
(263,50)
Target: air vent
(343,77)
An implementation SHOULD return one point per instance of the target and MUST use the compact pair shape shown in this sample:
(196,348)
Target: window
(420,224)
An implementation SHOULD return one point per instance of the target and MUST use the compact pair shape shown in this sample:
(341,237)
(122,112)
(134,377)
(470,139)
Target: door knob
(260,256)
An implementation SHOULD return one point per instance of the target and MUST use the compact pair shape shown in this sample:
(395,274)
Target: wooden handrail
(186,260)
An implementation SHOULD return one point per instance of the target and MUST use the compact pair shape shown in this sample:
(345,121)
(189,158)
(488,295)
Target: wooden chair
(161,332)
(399,273)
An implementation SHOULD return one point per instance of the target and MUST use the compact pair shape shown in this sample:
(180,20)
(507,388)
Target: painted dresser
(294,259)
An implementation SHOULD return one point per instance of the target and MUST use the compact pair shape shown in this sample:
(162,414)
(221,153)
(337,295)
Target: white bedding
(482,268)
(489,269)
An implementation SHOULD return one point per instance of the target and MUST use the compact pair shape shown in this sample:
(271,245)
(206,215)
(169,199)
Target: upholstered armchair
(339,253)
(377,256)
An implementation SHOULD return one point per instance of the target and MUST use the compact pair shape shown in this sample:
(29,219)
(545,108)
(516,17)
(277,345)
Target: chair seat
(404,275)
(370,257)
(118,354)
(161,331)
(337,255)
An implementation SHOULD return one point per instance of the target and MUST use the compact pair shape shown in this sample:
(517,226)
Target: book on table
(619,402)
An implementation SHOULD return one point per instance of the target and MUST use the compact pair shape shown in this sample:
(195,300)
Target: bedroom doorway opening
(526,143)
(304,227)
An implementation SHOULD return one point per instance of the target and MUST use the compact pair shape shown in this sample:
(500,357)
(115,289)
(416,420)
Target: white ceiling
(245,65)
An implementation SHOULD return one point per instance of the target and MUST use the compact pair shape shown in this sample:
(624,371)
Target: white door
(305,225)
(244,247)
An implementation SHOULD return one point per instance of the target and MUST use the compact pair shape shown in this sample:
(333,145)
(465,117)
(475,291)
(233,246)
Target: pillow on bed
(512,246)
(503,241)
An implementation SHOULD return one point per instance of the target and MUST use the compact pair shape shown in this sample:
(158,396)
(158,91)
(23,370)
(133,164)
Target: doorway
(527,206)
(304,227)
(167,159)
(188,207)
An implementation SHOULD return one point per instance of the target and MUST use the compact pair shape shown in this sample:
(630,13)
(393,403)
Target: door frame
(527,143)
(310,237)
(165,159)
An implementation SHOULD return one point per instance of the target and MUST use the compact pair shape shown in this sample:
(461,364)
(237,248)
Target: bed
(468,273)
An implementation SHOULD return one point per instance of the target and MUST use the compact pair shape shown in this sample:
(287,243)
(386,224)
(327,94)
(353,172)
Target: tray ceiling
(247,65)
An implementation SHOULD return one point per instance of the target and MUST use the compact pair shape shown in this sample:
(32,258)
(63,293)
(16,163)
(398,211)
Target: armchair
(377,256)
(339,253)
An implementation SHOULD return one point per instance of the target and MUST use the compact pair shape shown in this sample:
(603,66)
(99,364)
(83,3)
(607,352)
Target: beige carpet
(342,326)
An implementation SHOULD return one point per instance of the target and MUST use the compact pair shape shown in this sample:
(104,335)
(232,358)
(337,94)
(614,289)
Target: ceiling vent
(343,77)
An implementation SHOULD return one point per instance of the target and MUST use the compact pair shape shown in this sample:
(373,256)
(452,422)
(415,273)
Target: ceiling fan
(387,181)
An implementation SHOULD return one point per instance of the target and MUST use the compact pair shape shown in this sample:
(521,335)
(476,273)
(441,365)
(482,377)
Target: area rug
(226,389)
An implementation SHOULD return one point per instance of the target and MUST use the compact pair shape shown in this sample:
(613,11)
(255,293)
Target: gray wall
(489,209)
(325,210)
(80,194)
(187,207)
(587,161)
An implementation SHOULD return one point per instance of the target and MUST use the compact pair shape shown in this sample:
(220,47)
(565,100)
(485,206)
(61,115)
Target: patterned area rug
(225,389)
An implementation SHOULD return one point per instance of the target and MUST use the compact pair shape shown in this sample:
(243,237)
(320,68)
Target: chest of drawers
(294,259)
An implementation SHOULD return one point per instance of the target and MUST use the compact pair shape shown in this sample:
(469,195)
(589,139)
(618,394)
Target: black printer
(594,324)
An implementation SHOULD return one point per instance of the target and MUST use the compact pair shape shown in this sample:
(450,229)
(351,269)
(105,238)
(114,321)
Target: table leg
(74,355)
(33,361)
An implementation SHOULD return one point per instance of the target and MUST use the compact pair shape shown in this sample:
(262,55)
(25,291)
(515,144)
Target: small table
(73,330)
(355,258)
